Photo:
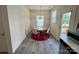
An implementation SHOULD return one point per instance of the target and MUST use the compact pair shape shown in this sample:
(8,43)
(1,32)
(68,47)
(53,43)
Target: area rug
(40,36)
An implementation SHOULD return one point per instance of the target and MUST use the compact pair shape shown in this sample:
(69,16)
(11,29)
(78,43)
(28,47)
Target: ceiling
(38,7)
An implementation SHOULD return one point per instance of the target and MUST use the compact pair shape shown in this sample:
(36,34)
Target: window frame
(37,19)
(53,18)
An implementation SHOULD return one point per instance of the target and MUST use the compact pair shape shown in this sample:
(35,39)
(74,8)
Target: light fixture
(40,13)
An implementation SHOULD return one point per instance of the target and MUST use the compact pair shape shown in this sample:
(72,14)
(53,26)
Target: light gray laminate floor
(30,46)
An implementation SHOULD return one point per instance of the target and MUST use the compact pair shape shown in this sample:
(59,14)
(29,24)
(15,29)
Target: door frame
(73,16)
(62,19)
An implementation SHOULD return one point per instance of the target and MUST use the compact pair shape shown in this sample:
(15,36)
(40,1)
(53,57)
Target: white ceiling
(42,7)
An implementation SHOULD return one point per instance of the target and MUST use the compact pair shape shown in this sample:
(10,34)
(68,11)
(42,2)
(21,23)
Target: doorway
(65,22)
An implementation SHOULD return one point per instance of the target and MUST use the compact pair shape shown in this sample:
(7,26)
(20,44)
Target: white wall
(76,21)
(19,23)
(56,27)
(35,13)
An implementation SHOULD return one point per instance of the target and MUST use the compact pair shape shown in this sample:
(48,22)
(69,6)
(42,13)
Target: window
(66,19)
(40,21)
(53,16)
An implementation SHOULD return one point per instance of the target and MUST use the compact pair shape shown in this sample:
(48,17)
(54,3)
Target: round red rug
(40,36)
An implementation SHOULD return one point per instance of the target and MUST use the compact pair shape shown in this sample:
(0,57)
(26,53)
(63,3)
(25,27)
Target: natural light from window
(65,22)
(40,21)
(53,16)
(66,19)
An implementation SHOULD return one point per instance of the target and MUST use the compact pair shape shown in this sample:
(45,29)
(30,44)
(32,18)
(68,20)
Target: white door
(2,36)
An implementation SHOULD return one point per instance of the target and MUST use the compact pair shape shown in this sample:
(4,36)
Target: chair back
(34,31)
(48,30)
